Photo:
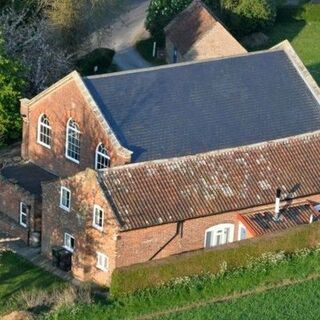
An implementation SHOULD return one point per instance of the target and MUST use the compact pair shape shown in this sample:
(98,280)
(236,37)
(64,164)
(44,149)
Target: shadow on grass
(314,69)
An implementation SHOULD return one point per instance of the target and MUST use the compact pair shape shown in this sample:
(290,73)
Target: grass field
(17,275)
(304,37)
(295,302)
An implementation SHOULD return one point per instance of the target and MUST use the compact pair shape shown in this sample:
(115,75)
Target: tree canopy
(11,87)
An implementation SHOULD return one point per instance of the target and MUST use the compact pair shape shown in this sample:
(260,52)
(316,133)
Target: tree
(253,16)
(27,38)
(11,88)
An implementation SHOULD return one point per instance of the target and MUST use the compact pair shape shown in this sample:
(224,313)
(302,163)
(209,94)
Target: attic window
(102,157)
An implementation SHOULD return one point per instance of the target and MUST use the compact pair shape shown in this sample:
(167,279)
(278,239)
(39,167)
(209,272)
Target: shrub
(151,274)
(252,16)
(101,57)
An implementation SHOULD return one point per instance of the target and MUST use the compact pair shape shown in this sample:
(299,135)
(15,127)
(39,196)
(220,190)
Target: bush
(101,57)
(151,274)
(252,16)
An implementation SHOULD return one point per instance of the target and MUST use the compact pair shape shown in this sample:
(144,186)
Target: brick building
(134,166)
(196,34)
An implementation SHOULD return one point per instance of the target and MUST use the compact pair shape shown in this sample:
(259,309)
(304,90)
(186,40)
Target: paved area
(122,35)
(33,255)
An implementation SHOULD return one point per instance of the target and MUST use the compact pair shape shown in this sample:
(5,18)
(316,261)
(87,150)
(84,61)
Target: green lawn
(16,274)
(294,302)
(304,37)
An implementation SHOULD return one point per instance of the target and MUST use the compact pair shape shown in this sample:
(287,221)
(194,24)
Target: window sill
(68,249)
(97,227)
(23,225)
(72,160)
(102,269)
(64,208)
(44,145)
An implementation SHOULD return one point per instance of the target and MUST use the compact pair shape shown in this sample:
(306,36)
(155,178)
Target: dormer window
(73,141)
(44,131)
(102,157)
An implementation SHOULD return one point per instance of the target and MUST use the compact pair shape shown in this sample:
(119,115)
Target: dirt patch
(18,315)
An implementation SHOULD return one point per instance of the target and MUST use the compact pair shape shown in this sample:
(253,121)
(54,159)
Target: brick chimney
(24,112)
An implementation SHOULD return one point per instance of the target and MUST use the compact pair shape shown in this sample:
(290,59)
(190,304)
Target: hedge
(127,280)
(307,12)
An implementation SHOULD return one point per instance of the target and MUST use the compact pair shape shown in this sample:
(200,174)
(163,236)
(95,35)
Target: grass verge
(295,302)
(17,275)
(270,270)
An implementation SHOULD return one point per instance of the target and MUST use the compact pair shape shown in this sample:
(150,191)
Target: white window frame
(65,245)
(40,125)
(96,207)
(241,227)
(217,228)
(67,140)
(21,213)
(99,153)
(105,259)
(62,206)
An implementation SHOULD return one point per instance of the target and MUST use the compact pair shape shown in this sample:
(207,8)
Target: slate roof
(28,176)
(189,26)
(196,107)
(157,192)
(263,223)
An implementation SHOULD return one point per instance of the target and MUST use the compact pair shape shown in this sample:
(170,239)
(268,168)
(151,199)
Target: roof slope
(29,176)
(193,23)
(166,191)
(197,107)
(263,222)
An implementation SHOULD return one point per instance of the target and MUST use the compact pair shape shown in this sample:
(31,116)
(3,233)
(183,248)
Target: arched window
(102,157)
(73,141)
(44,131)
(218,235)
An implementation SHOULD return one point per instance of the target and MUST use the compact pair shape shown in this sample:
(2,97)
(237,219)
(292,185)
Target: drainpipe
(179,230)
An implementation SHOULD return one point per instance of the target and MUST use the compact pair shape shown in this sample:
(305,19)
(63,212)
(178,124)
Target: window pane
(102,157)
(73,141)
(44,133)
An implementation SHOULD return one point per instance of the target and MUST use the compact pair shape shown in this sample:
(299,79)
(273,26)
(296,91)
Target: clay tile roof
(189,26)
(263,222)
(166,191)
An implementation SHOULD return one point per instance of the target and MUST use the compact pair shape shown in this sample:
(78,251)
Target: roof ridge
(180,64)
(214,152)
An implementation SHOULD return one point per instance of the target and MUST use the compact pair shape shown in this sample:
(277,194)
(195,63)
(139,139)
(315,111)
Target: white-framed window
(102,160)
(65,198)
(218,235)
(23,214)
(68,242)
(102,261)
(98,216)
(44,131)
(242,232)
(73,141)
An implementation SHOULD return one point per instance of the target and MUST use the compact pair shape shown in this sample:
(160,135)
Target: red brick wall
(11,196)
(140,245)
(61,104)
(85,193)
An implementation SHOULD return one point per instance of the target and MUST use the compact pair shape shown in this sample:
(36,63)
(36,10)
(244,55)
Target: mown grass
(294,302)
(303,32)
(16,275)
(272,269)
